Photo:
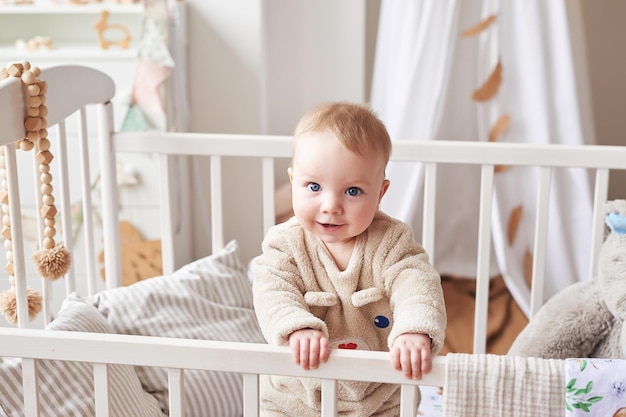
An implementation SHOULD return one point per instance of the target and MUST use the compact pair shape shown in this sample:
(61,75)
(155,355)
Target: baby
(342,274)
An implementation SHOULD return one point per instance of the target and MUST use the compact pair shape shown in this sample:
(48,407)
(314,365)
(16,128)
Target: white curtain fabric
(425,73)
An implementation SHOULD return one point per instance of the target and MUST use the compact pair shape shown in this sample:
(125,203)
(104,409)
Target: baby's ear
(290,173)
(383,189)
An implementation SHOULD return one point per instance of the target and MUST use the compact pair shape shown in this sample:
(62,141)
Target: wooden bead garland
(53,259)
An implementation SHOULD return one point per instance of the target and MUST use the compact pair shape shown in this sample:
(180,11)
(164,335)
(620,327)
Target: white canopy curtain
(426,72)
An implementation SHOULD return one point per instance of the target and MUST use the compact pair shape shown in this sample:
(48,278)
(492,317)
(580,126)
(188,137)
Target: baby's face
(335,191)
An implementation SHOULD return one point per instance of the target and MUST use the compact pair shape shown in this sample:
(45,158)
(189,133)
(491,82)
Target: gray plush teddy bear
(585,320)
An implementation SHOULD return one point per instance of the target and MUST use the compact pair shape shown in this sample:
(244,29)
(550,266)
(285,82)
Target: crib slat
(176,386)
(166,196)
(600,196)
(250,395)
(88,227)
(217,213)
(29,385)
(64,204)
(46,287)
(430,199)
(329,397)
(101,389)
(541,236)
(408,400)
(269,215)
(110,205)
(17,237)
(482,263)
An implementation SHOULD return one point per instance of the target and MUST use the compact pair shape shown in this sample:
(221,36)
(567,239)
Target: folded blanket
(595,387)
(497,385)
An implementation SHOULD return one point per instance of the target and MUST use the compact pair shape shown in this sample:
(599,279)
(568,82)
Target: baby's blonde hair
(356,126)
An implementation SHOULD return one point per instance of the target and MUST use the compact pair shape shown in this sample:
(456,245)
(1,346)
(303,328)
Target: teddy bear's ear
(615,216)
(616,222)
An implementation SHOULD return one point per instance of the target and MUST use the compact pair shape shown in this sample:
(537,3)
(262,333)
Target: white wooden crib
(180,356)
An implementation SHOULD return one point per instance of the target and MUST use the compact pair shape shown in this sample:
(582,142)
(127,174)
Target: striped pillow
(209,299)
(66,388)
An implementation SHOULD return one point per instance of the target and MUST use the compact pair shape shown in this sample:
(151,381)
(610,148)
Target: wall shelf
(51,7)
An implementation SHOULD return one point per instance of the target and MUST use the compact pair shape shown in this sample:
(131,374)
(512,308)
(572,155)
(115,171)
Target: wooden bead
(5,209)
(46,189)
(36,70)
(25,64)
(43,133)
(6,232)
(12,280)
(43,111)
(34,101)
(33,123)
(48,243)
(28,77)
(3,73)
(9,256)
(33,90)
(44,143)
(32,111)
(49,222)
(6,221)
(49,231)
(4,197)
(43,87)
(44,157)
(26,145)
(44,168)
(48,212)
(8,244)
(33,136)
(11,271)
(42,98)
(45,178)
(47,199)
(15,69)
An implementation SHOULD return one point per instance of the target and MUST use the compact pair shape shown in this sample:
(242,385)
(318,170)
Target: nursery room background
(254,66)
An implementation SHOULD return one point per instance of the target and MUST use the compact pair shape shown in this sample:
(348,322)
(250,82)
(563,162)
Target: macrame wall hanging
(52,260)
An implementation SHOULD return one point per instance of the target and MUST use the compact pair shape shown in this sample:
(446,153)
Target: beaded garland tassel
(53,259)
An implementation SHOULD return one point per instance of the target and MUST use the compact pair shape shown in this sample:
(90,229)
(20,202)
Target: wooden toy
(53,259)
(101,26)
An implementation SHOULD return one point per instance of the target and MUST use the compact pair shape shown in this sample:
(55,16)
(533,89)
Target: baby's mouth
(329,225)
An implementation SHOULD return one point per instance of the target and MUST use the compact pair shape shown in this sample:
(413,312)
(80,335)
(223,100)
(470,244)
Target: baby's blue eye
(353,191)
(313,186)
(381,321)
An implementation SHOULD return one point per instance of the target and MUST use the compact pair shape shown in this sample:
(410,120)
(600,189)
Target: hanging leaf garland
(491,86)
(475,30)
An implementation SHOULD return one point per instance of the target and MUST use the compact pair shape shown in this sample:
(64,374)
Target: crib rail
(179,355)
(598,160)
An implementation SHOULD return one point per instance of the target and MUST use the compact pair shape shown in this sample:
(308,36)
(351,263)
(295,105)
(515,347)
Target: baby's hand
(309,347)
(410,353)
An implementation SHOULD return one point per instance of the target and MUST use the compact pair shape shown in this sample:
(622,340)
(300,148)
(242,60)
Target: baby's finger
(427,362)
(314,353)
(395,359)
(416,364)
(324,349)
(294,344)
(406,361)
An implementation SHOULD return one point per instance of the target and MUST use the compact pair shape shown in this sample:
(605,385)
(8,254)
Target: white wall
(255,66)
